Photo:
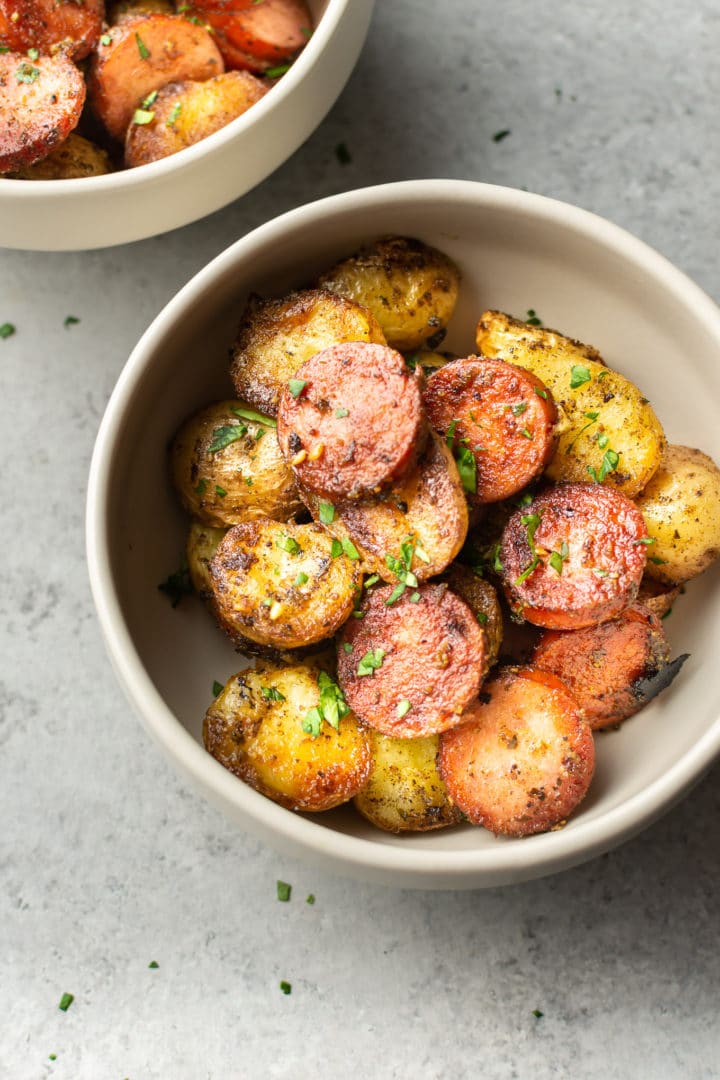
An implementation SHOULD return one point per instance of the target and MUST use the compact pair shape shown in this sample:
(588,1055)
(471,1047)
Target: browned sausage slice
(573,557)
(613,669)
(351,421)
(409,668)
(524,759)
(257,36)
(501,415)
(40,104)
(51,25)
(143,55)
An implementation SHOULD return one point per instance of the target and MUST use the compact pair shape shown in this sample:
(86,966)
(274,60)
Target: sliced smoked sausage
(51,26)
(40,104)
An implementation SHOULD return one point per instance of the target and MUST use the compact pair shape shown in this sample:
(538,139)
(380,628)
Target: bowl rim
(155,171)
(536,855)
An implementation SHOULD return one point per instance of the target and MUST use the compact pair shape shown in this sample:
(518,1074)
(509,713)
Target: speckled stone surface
(108,862)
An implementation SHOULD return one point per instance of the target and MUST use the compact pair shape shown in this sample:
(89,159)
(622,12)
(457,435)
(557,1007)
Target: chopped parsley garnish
(557,558)
(525,433)
(174,113)
(201,487)
(464,458)
(602,440)
(414,597)
(496,560)
(541,393)
(26,73)
(579,375)
(283,891)
(531,522)
(33,54)
(286,987)
(342,413)
(220,491)
(301,579)
(645,540)
(296,387)
(105,39)
(343,154)
(306,32)
(7,330)
(143,116)
(532,319)
(326,512)
(310,898)
(70,320)
(66,1001)
(271,693)
(347,647)
(289,544)
(609,464)
(177,585)
(371,661)
(223,436)
(250,414)
(153,965)
(217,688)
(500,135)
(142,48)
(538,1014)
(481,618)
(403,708)
(371,581)
(336,549)
(591,417)
(51,1057)
(331,707)
(518,410)
(656,560)
(401,569)
(276,72)
(150,100)
(349,549)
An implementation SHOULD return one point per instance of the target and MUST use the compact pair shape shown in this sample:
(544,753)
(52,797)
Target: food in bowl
(422,482)
(154,78)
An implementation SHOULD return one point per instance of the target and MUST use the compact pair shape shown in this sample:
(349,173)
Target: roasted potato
(404,792)
(681,507)
(657,596)
(428,507)
(227,467)
(410,288)
(75,158)
(183,113)
(479,595)
(261,726)
(608,430)
(202,543)
(281,585)
(133,9)
(277,336)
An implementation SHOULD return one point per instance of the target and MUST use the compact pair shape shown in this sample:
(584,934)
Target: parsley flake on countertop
(70,320)
(500,135)
(283,891)
(7,330)
(66,1001)
(153,964)
(537,1014)
(286,987)
(310,899)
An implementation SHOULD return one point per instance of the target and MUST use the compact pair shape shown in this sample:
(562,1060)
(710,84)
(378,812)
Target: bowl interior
(515,252)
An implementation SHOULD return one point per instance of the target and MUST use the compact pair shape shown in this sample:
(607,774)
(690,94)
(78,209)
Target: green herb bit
(276,72)
(557,558)
(223,436)
(531,522)
(496,560)
(609,464)
(51,1057)
(286,987)
(271,693)
(421,554)
(500,135)
(174,113)
(538,1014)
(143,116)
(467,468)
(283,891)
(602,440)
(371,661)
(259,418)
(371,581)
(142,48)
(579,375)
(525,433)
(306,32)
(33,54)
(26,73)
(289,544)
(481,618)
(530,569)
(602,375)
(7,330)
(342,413)
(403,708)
(450,435)
(105,39)
(301,579)
(221,492)
(343,154)
(296,387)
(347,647)
(333,705)
(524,499)
(177,585)
(349,549)
(217,688)
(201,487)
(414,597)
(541,393)
(326,513)
(310,898)
(4,48)
(65,1002)
(532,318)
(312,723)
(591,418)
(656,560)
(645,540)
(336,549)
(150,100)
(70,320)
(518,410)
(153,965)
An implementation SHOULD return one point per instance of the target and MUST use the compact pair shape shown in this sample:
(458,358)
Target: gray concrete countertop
(109,862)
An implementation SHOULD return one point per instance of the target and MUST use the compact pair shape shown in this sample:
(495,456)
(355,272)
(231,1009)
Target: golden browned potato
(132,9)
(608,431)
(282,585)
(681,507)
(481,597)
(657,596)
(405,792)
(227,467)
(73,159)
(277,336)
(183,113)
(410,288)
(202,543)
(428,509)
(288,732)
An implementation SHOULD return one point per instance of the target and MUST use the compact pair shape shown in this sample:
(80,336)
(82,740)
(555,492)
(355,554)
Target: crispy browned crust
(480,597)
(524,757)
(51,26)
(257,37)
(40,104)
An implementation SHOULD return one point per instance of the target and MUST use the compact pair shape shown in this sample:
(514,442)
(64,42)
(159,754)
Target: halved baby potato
(202,543)
(227,467)
(75,158)
(282,585)
(261,727)
(410,288)
(277,336)
(480,596)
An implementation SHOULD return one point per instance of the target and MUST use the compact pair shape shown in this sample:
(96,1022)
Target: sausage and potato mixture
(376,520)
(88,86)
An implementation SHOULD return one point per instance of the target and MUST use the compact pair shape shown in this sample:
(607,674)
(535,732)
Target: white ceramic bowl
(99,211)
(516,251)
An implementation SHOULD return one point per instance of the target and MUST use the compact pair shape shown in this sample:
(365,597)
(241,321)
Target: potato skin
(624,423)
(186,112)
(256,592)
(250,470)
(74,159)
(404,792)
(681,507)
(277,336)
(134,9)
(410,288)
(480,596)
(202,543)
(262,741)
